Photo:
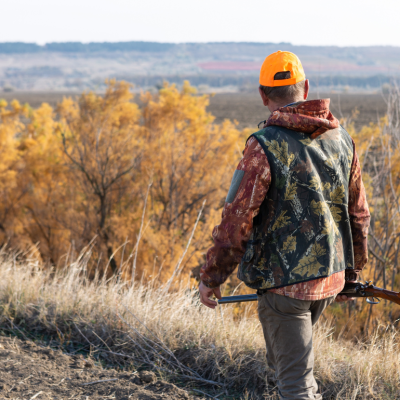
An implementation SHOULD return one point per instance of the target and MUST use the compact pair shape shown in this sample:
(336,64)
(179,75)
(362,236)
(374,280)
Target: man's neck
(273,106)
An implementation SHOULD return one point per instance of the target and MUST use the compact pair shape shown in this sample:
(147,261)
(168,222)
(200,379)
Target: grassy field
(146,326)
(247,108)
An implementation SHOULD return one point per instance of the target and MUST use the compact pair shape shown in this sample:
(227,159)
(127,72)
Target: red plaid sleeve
(232,234)
(359,215)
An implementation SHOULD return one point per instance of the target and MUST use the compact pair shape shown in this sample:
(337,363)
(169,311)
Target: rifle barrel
(238,299)
(351,289)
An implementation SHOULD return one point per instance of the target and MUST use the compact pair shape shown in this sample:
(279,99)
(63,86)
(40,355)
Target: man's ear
(306,89)
(264,98)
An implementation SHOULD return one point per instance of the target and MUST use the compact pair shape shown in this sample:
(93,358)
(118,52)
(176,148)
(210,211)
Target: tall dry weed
(146,325)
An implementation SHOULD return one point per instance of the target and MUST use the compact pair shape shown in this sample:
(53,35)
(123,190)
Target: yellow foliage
(82,172)
(10,166)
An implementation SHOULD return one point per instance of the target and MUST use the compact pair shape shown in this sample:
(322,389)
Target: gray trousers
(287,325)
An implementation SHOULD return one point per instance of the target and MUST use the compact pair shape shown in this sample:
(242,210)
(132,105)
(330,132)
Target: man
(295,219)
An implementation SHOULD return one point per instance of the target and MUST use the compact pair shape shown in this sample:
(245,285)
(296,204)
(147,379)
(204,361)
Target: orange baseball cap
(281,61)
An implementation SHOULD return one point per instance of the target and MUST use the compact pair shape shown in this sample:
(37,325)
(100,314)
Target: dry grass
(147,326)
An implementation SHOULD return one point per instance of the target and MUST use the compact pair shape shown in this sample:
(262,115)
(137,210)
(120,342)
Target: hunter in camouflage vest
(295,220)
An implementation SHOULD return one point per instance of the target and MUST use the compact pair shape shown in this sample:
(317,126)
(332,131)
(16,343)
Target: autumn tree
(189,160)
(45,206)
(11,193)
(101,143)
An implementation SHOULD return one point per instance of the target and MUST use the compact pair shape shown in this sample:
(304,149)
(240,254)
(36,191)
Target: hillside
(234,66)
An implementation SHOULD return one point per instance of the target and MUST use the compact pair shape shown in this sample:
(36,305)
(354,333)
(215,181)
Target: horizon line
(84,43)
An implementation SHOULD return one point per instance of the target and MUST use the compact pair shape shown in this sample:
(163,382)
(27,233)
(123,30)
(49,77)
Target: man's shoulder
(273,132)
(267,131)
(344,132)
(346,137)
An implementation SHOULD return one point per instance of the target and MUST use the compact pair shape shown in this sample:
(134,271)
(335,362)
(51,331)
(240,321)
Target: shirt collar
(287,105)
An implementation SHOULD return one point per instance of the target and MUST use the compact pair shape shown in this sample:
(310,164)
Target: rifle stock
(351,289)
(387,295)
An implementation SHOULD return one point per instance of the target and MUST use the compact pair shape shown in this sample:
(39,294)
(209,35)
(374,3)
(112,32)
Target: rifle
(351,289)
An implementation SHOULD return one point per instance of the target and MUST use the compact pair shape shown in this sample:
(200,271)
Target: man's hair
(284,93)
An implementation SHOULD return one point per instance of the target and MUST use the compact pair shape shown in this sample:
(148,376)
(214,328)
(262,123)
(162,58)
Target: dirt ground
(246,108)
(30,371)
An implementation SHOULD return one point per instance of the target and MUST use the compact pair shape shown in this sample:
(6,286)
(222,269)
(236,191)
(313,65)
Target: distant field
(246,108)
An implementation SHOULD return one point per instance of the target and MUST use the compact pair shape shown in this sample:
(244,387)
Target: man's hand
(340,298)
(206,293)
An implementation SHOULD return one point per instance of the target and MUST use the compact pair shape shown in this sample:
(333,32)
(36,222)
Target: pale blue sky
(307,22)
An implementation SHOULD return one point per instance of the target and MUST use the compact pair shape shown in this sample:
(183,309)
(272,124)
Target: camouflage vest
(303,228)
